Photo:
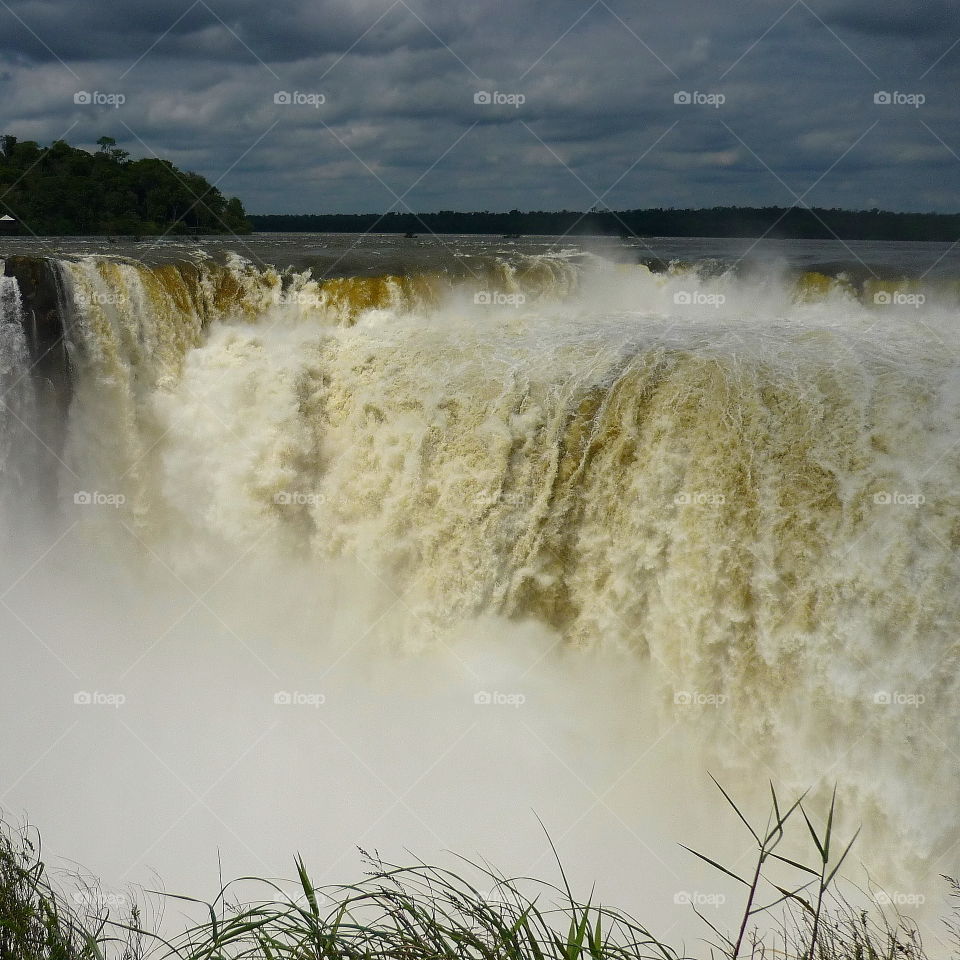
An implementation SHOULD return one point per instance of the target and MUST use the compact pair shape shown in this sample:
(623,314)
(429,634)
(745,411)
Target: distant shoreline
(775,223)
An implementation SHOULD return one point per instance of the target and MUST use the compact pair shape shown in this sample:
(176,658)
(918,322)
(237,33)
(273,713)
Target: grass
(37,921)
(422,912)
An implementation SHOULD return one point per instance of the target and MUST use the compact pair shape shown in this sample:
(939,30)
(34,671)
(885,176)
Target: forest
(62,190)
(778,222)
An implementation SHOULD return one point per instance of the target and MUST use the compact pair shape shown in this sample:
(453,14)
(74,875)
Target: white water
(707,536)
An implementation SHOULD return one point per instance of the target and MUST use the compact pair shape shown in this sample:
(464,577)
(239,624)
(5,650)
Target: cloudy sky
(371,105)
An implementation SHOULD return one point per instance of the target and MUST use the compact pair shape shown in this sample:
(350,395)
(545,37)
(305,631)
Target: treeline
(780,222)
(62,190)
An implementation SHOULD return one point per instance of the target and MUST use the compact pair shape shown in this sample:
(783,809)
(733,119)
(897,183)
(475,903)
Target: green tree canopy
(63,190)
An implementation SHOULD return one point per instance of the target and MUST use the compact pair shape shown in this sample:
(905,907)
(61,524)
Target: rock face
(39,283)
(44,326)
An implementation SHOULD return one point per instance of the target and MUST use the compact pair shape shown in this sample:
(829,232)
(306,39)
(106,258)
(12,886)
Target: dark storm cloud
(384,94)
(116,29)
(893,17)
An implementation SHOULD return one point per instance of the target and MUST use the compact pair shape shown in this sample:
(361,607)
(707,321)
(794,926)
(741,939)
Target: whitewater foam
(745,485)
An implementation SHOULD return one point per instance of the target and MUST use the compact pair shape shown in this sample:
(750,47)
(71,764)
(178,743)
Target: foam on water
(728,506)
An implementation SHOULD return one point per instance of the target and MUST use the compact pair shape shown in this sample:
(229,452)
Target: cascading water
(747,487)
(17,402)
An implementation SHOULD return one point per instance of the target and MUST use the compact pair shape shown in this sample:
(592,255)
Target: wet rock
(44,323)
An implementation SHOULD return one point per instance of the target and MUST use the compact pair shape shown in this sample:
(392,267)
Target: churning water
(398,559)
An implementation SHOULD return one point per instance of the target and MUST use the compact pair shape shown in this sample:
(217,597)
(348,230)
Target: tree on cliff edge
(64,190)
